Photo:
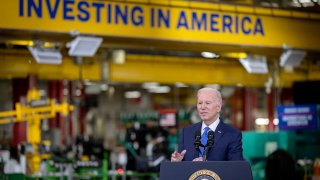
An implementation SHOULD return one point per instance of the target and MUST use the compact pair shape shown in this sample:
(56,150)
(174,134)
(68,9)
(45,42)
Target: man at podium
(211,139)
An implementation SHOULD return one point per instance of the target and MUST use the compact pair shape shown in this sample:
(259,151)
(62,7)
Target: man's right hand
(176,157)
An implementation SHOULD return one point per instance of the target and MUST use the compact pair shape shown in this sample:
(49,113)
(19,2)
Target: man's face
(207,105)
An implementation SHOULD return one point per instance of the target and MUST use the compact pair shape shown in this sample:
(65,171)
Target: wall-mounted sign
(298,117)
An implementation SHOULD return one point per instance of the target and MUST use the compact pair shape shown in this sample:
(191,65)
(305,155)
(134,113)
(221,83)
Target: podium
(209,170)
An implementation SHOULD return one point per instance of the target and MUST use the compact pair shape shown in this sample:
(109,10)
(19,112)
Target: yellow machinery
(36,110)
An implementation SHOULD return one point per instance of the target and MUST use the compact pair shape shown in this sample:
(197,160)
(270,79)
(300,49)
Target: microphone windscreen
(211,133)
(210,139)
(197,137)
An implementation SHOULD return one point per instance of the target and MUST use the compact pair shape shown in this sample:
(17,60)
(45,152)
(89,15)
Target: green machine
(258,145)
(299,144)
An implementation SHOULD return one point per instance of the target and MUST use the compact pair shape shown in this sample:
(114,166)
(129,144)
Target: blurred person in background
(281,166)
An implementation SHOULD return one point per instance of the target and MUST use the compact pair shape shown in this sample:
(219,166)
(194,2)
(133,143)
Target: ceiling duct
(255,64)
(46,55)
(84,46)
(292,58)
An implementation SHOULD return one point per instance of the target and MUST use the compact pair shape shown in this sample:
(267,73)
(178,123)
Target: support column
(271,108)
(251,124)
(20,88)
(52,95)
(244,108)
(70,93)
(82,114)
(80,97)
(234,107)
(61,119)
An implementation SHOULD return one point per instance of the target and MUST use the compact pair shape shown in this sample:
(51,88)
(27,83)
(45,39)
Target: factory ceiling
(166,56)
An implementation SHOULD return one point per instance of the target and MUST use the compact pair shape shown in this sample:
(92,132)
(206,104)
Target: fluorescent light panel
(255,64)
(46,55)
(180,85)
(84,46)
(262,121)
(209,55)
(292,58)
(160,89)
(150,85)
(132,94)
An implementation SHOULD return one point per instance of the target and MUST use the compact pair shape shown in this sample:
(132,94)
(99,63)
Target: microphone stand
(208,146)
(198,149)
(204,156)
(205,151)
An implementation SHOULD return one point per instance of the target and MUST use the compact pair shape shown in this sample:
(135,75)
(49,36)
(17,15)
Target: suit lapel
(218,132)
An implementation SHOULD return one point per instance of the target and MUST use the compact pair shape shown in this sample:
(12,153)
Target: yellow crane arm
(28,113)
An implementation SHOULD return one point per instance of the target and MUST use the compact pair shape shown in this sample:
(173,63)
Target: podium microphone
(197,141)
(210,141)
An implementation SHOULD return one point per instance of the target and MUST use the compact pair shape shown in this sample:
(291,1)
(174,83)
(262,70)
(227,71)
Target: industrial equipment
(35,110)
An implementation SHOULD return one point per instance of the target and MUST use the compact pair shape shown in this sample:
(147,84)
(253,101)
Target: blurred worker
(280,166)
(226,141)
(155,137)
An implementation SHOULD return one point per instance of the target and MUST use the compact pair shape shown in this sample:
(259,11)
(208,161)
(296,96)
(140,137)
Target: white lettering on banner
(297,110)
(297,117)
(293,120)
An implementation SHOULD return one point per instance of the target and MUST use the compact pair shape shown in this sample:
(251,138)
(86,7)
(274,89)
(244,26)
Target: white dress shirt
(212,126)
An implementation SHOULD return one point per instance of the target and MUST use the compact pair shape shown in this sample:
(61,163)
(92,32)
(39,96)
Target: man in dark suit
(227,144)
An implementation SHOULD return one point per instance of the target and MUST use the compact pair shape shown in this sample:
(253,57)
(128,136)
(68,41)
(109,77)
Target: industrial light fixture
(95,87)
(213,86)
(262,121)
(255,64)
(209,55)
(154,87)
(92,89)
(84,46)
(302,3)
(160,89)
(104,87)
(180,85)
(132,94)
(292,58)
(150,85)
(46,55)
(265,121)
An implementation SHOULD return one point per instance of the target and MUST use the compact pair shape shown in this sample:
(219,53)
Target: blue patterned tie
(204,139)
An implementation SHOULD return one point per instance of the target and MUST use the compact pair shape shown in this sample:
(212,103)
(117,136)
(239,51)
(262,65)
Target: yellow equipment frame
(33,117)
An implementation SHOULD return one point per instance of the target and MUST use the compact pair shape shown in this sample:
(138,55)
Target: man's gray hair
(217,93)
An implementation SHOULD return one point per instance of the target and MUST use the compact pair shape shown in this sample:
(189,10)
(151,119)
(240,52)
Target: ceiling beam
(144,68)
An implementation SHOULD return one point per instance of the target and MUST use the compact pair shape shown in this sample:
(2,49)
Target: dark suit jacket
(227,143)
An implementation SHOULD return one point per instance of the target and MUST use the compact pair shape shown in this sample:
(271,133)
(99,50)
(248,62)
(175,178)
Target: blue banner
(297,117)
